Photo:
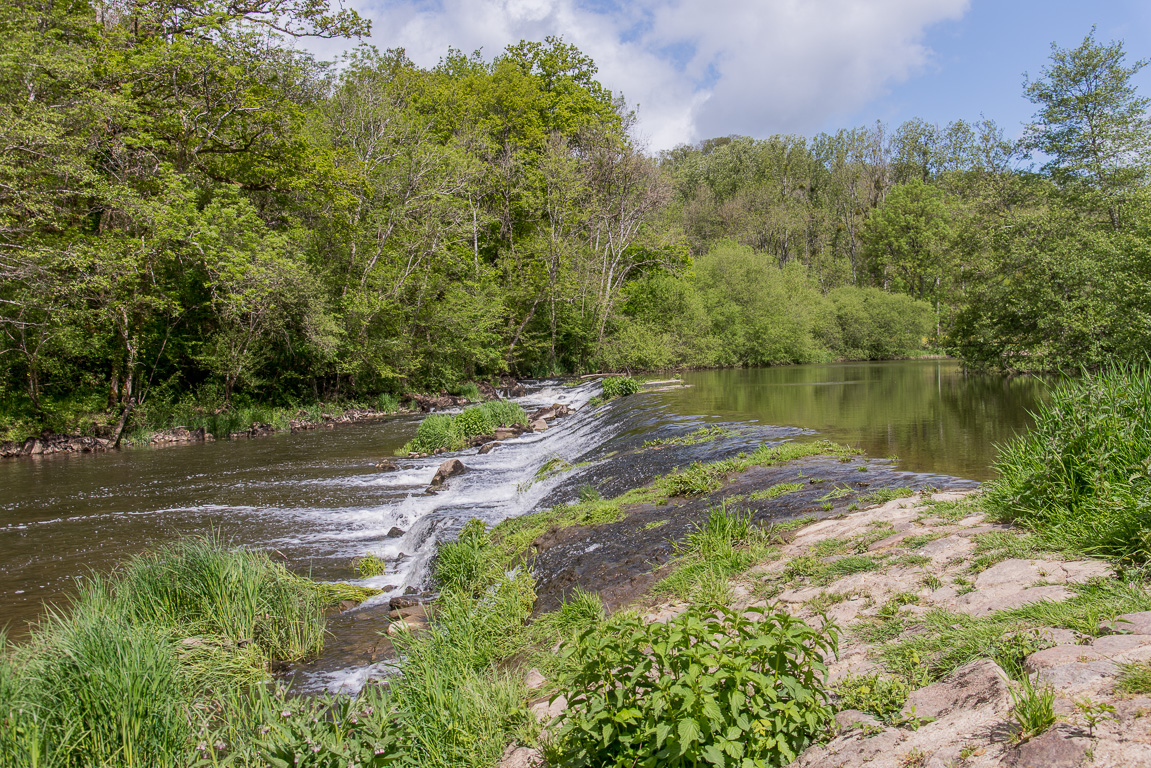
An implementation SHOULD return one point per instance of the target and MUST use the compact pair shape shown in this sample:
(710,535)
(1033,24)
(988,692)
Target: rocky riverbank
(952,630)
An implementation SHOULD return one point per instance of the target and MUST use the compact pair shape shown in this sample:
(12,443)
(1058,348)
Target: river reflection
(929,413)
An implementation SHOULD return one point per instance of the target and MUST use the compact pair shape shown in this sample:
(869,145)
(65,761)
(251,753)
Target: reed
(200,587)
(1081,477)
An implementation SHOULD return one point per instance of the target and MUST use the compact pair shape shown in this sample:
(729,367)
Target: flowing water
(316,499)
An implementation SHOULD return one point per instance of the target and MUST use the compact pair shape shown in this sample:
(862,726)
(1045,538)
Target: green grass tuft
(1081,476)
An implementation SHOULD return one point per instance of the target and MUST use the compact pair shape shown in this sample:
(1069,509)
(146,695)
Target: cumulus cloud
(696,69)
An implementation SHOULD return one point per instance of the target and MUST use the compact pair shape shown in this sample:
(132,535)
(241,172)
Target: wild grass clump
(200,587)
(727,543)
(1081,476)
(453,432)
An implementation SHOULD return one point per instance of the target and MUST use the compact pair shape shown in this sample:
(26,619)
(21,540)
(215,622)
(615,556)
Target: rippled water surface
(316,500)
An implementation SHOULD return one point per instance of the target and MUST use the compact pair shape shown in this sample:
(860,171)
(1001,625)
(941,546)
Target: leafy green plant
(712,685)
(619,386)
(1033,709)
(1094,712)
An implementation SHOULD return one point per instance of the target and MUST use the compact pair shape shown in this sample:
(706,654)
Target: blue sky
(978,61)
(704,69)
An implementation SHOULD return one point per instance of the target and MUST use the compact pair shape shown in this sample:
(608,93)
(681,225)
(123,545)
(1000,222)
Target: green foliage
(950,640)
(454,432)
(701,435)
(198,586)
(1080,477)
(884,495)
(619,386)
(726,544)
(874,693)
(1134,678)
(775,491)
(1032,709)
(712,685)
(369,565)
(465,564)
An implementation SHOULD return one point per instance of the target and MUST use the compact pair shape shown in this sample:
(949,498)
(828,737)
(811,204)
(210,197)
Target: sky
(696,70)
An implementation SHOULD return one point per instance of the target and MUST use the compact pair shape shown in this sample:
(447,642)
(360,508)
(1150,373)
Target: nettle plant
(713,687)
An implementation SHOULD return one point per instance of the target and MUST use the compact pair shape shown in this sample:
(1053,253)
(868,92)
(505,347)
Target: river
(316,499)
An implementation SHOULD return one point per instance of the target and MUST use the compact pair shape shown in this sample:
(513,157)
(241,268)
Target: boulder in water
(449,468)
(539,425)
(395,533)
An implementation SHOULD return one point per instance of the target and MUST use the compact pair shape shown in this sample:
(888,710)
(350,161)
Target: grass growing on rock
(726,544)
(453,432)
(949,640)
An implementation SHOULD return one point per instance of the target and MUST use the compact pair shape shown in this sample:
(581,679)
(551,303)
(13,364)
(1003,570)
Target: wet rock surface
(622,560)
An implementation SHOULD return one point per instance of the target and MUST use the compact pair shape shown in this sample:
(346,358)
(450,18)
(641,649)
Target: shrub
(453,432)
(619,386)
(713,685)
(1081,477)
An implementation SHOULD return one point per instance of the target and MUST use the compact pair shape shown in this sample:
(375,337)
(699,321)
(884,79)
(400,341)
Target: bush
(713,685)
(1081,477)
(454,432)
(619,386)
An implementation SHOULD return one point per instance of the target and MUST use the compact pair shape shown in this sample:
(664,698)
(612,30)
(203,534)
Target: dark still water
(316,500)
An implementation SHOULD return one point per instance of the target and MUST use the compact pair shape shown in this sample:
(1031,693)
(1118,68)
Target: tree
(907,239)
(1092,124)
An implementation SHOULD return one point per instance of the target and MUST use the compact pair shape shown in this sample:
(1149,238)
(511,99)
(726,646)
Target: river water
(316,499)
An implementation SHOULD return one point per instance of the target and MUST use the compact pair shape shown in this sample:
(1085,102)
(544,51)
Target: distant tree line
(193,210)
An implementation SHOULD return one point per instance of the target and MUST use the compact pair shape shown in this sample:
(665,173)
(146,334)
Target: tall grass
(1081,477)
(200,587)
(110,692)
(454,432)
(119,677)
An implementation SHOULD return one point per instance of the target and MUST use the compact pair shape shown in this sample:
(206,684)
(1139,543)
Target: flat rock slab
(946,548)
(980,684)
(1061,746)
(1076,676)
(1130,624)
(1002,597)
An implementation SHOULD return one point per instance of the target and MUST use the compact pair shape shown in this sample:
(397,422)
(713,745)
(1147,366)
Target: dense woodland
(194,210)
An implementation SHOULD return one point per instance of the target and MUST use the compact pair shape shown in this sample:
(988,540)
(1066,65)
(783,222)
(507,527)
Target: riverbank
(961,641)
(208,425)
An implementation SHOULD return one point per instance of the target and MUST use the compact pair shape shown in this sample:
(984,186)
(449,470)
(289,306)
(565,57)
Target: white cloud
(754,67)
